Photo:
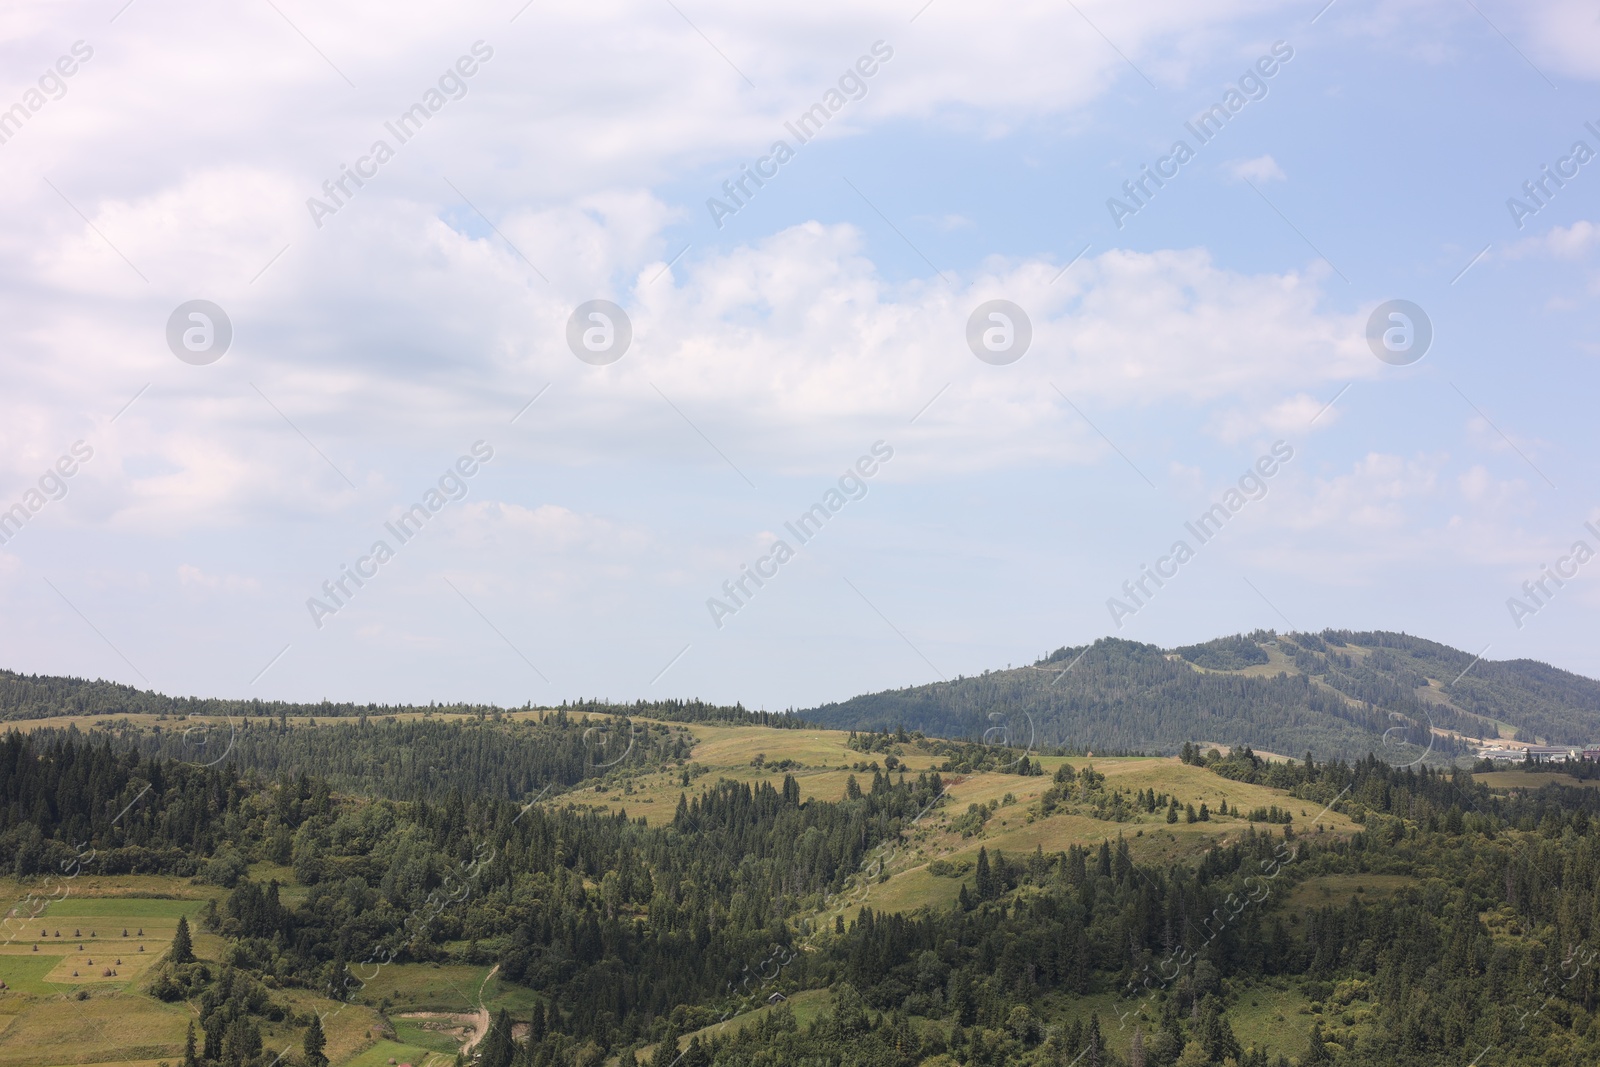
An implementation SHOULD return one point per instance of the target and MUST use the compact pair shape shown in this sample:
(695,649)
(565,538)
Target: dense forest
(634,934)
(34,696)
(1339,693)
(509,759)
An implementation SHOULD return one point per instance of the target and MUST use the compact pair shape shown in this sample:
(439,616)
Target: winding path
(481,1016)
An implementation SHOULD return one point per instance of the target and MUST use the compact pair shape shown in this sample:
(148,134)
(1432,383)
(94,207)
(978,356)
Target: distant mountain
(1337,693)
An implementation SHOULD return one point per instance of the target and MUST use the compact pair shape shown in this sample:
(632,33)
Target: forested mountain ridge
(40,696)
(1338,693)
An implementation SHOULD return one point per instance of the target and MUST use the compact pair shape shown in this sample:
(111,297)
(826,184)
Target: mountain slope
(1337,693)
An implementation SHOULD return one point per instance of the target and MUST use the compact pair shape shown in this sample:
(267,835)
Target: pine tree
(314,1043)
(985,882)
(1214,1033)
(213,1025)
(963,1000)
(1172,811)
(667,1048)
(182,946)
(190,1058)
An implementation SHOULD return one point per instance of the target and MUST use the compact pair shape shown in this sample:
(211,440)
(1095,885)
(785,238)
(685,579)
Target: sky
(404,352)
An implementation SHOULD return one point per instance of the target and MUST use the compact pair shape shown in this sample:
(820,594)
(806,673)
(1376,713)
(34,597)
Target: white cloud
(1566,36)
(788,351)
(1374,495)
(1260,170)
(192,577)
(1562,242)
(1292,417)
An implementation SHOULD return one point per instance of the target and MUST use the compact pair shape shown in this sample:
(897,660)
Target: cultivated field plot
(57,950)
(1500,781)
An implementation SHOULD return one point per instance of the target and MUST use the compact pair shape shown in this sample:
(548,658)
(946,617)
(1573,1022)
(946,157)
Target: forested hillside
(495,756)
(35,696)
(686,885)
(1336,693)
(1450,924)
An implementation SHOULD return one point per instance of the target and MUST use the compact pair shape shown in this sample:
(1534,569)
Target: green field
(122,907)
(415,1033)
(1502,780)
(382,1052)
(1338,889)
(26,974)
(106,1028)
(445,988)
(806,1006)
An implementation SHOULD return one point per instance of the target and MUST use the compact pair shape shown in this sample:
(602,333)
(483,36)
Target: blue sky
(372,351)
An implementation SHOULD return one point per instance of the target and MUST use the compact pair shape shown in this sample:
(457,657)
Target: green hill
(1337,693)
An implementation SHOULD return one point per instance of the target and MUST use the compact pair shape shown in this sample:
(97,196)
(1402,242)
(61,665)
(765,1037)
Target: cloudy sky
(1173,315)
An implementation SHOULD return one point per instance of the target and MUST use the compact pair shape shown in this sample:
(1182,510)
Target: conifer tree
(667,1049)
(498,1048)
(182,946)
(1318,1052)
(314,1043)
(985,880)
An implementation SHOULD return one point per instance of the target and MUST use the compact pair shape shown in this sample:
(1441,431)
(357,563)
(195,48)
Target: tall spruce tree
(182,945)
(314,1043)
(985,879)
